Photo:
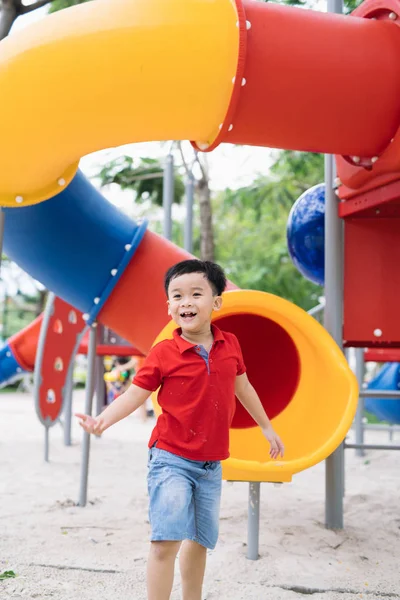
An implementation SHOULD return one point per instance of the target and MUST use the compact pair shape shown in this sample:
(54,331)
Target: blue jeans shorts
(184,498)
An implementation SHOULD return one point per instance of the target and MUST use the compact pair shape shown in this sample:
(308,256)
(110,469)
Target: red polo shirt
(197,397)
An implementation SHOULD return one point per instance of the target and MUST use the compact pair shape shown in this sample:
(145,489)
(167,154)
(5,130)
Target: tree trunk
(9,12)
(206,228)
(41,304)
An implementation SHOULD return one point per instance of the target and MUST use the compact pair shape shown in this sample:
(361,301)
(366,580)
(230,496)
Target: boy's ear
(217,302)
(169,310)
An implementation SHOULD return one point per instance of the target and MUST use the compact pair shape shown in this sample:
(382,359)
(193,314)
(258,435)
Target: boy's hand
(91,425)
(277,447)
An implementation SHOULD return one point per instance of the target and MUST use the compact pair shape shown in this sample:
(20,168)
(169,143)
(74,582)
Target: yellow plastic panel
(321,408)
(107,73)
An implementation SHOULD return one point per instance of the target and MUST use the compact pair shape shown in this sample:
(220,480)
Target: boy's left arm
(249,399)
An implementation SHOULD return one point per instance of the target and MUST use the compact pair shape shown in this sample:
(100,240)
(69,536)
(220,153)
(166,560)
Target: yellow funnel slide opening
(302,378)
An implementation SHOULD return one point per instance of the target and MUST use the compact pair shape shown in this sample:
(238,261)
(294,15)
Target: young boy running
(199,372)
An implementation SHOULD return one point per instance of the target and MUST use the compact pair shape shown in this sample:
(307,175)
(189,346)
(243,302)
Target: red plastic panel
(372,282)
(324,77)
(65,325)
(24,344)
(382,355)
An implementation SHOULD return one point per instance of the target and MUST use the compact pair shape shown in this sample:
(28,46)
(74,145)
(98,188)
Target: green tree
(144,176)
(250,229)
(61,4)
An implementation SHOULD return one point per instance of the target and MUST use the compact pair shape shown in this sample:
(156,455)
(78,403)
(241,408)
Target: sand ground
(63,552)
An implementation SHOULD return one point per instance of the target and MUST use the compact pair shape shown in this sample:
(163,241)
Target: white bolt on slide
(19,199)
(114,272)
(378,332)
(248,25)
(244,81)
(96,300)
(128,247)
(85,316)
(61,181)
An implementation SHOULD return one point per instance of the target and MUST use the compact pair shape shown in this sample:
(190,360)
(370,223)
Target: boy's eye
(197,294)
(176,296)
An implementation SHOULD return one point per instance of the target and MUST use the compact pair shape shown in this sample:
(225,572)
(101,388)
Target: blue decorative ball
(306,234)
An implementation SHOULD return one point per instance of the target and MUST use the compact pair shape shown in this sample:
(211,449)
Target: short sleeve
(149,375)
(241,367)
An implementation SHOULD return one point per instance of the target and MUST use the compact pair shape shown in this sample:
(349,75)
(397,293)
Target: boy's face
(191,301)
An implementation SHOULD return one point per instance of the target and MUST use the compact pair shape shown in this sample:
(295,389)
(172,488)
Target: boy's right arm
(120,408)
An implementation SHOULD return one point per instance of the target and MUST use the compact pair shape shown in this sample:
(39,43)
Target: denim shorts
(184,498)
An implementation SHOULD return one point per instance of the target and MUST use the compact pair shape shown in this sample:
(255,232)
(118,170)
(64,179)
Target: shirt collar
(184,345)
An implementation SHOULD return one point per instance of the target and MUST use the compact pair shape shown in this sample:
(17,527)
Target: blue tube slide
(388,378)
(77,244)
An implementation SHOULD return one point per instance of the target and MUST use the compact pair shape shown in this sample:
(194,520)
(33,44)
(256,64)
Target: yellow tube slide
(107,73)
(303,381)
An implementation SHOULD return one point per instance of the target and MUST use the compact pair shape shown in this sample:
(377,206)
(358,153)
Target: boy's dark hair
(212,272)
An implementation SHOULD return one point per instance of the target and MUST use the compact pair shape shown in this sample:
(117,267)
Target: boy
(200,371)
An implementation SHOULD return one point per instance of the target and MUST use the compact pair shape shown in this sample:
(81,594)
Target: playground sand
(62,552)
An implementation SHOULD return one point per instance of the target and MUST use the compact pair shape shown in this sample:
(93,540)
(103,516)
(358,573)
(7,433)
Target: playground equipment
(93,258)
(119,307)
(306,243)
(306,234)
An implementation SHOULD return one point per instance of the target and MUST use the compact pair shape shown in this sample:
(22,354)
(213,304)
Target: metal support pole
(46,443)
(188,227)
(333,321)
(99,385)
(69,387)
(88,411)
(374,446)
(168,195)
(359,424)
(69,390)
(253,532)
(386,394)
(37,378)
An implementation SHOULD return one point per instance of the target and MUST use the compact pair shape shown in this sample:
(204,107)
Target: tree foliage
(61,4)
(250,229)
(144,176)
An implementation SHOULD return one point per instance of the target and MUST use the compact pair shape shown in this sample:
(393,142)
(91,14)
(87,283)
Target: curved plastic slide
(111,269)
(387,378)
(164,82)
(279,72)
(18,354)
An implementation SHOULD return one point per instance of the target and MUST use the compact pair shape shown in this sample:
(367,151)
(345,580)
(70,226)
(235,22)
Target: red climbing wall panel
(65,325)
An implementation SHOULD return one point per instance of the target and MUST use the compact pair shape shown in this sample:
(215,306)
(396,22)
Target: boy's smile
(191,300)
